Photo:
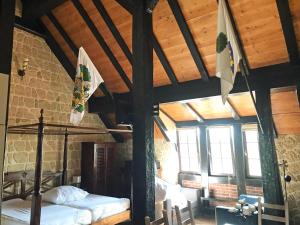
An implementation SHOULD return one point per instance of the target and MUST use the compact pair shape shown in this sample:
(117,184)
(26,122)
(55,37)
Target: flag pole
(245,72)
(243,65)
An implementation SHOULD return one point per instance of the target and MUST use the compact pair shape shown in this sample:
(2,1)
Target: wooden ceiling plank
(167,115)
(102,43)
(193,111)
(231,108)
(110,24)
(189,39)
(74,48)
(288,30)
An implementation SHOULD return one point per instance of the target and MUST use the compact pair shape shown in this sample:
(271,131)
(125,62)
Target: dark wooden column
(239,159)
(7,20)
(143,147)
(204,157)
(269,164)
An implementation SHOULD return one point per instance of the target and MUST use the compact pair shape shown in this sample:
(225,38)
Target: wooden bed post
(143,146)
(65,160)
(37,197)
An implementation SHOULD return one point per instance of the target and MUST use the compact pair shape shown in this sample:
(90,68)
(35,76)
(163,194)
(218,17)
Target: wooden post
(269,165)
(36,203)
(65,161)
(143,147)
(7,20)
(204,157)
(239,159)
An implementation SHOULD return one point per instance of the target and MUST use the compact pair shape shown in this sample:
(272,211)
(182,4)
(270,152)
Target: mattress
(101,206)
(17,212)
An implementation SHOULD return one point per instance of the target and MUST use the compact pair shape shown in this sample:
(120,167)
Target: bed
(17,212)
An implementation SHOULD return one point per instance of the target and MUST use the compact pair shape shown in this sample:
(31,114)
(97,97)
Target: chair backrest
(262,216)
(164,220)
(179,215)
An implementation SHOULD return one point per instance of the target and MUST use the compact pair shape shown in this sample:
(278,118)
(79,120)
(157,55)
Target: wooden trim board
(114,219)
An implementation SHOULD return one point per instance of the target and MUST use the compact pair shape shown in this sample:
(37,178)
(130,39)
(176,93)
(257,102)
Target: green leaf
(80,108)
(221,42)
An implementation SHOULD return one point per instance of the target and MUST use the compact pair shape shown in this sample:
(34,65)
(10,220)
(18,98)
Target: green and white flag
(228,52)
(86,82)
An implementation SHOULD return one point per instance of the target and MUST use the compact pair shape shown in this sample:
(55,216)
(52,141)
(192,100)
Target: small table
(223,216)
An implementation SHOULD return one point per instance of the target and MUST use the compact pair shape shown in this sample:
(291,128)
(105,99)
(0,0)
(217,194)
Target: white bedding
(17,212)
(101,206)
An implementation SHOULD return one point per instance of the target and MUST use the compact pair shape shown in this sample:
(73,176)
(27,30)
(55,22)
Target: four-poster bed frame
(64,130)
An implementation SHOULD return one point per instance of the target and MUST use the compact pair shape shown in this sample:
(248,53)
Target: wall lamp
(21,72)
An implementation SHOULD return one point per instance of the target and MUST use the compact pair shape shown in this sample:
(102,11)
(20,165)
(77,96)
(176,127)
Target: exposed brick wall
(48,86)
(288,148)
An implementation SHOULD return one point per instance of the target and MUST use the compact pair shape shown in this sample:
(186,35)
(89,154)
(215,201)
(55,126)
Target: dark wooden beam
(269,165)
(193,111)
(298,94)
(102,43)
(127,4)
(167,115)
(174,5)
(214,122)
(30,28)
(143,140)
(232,110)
(7,20)
(288,30)
(164,61)
(110,24)
(276,76)
(239,159)
(162,127)
(63,33)
(275,132)
(33,10)
(204,158)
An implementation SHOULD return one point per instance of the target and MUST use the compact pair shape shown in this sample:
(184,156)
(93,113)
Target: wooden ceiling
(285,109)
(257,22)
(104,29)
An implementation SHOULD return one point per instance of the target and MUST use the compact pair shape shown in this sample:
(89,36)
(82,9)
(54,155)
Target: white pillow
(62,194)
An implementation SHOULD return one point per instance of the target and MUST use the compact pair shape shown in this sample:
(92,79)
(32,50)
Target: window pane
(220,150)
(188,147)
(252,148)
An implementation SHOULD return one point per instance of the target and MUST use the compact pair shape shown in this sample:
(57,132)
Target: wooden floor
(204,220)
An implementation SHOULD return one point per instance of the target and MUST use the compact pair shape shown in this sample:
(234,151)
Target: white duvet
(17,211)
(101,206)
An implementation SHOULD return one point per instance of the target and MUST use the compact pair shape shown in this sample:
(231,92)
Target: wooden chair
(163,220)
(262,216)
(179,215)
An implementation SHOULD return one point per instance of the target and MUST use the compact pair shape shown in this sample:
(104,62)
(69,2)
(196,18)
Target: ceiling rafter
(232,110)
(174,5)
(70,69)
(102,43)
(73,47)
(114,30)
(193,111)
(162,127)
(157,48)
(167,115)
(288,30)
(298,93)
(274,76)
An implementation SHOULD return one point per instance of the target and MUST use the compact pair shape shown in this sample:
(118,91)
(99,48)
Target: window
(188,150)
(220,151)
(252,153)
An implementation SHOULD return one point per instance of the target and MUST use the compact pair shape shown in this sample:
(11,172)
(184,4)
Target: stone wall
(288,148)
(46,85)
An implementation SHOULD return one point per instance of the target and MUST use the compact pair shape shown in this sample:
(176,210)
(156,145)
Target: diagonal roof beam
(174,5)
(74,48)
(156,46)
(102,43)
(231,108)
(110,24)
(162,127)
(70,69)
(193,111)
(33,10)
(288,30)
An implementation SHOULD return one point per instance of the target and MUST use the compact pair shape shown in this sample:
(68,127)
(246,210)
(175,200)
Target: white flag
(86,82)
(228,52)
